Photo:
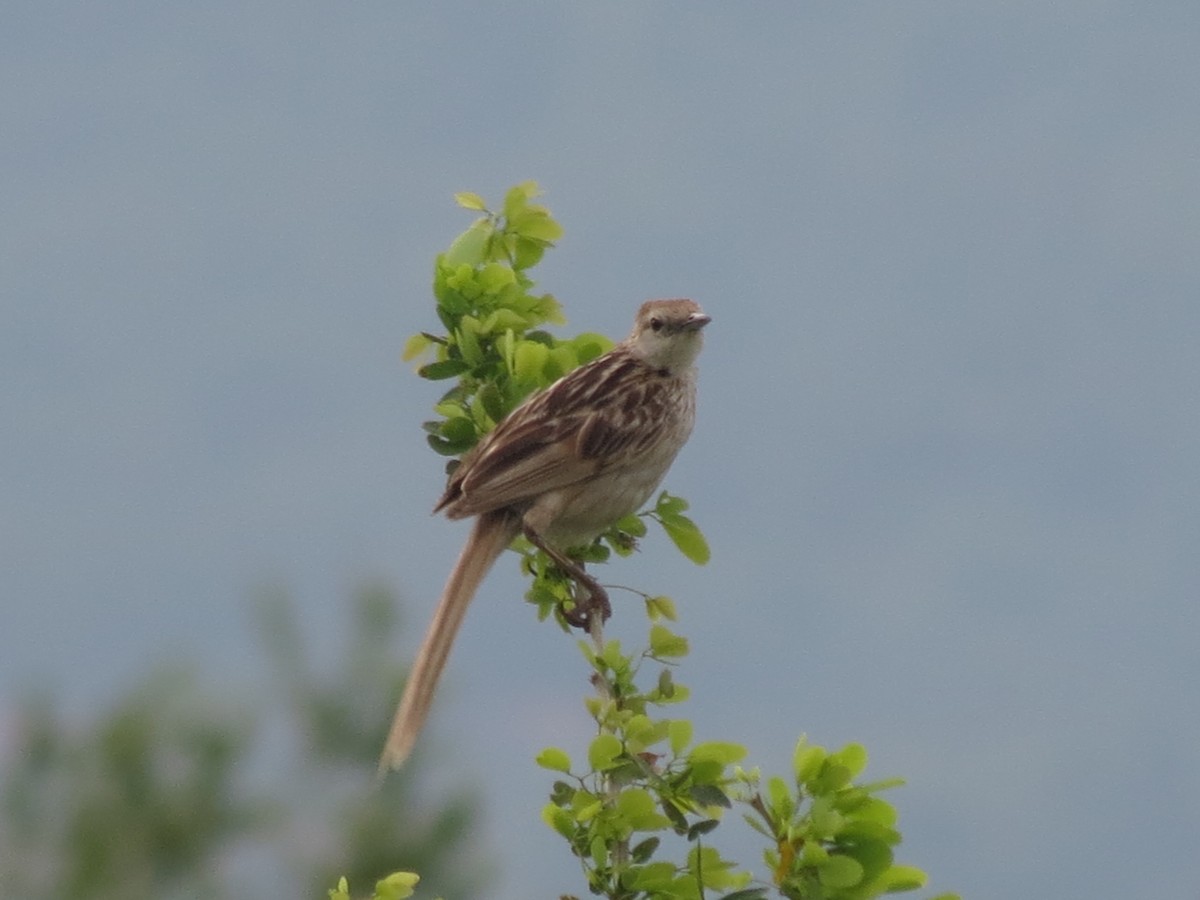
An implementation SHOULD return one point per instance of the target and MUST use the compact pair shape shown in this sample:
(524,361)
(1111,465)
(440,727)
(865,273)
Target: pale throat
(674,354)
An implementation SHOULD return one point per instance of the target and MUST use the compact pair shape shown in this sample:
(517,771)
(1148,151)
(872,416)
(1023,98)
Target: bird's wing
(570,432)
(627,426)
(531,457)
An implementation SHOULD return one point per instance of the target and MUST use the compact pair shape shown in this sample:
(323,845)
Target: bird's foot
(590,600)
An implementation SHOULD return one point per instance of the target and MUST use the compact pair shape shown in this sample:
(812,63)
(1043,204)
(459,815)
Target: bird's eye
(656,324)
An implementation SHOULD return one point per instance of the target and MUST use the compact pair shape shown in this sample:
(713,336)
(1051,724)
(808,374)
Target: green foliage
(134,807)
(493,343)
(642,808)
(397,886)
(668,512)
(829,836)
(149,800)
(495,349)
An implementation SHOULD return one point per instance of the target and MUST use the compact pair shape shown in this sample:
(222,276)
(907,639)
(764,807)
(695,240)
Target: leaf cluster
(152,797)
(397,886)
(830,837)
(644,777)
(493,343)
(138,804)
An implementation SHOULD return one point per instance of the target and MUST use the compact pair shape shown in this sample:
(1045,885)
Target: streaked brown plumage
(561,468)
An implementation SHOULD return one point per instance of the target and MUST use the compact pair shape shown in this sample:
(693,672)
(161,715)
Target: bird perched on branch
(561,468)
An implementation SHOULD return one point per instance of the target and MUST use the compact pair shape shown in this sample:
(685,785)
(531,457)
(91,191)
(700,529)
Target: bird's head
(668,334)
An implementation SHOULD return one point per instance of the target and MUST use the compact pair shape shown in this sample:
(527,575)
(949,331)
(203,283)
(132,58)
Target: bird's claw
(594,601)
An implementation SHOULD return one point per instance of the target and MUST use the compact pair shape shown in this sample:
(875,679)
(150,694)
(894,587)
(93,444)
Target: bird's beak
(696,321)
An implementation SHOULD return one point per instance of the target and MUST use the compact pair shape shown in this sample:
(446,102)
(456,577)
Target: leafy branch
(641,812)
(828,836)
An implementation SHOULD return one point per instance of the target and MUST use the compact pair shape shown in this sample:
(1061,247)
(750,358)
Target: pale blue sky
(949,402)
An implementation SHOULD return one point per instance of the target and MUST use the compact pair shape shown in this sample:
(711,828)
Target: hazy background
(947,456)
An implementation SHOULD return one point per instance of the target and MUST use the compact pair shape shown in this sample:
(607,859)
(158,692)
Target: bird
(561,468)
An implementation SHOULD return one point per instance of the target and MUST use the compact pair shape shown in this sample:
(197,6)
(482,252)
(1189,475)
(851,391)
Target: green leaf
(562,360)
(813,854)
(550,310)
(450,409)
(636,806)
(495,277)
(527,253)
(505,319)
(470,200)
(665,686)
(678,693)
(467,338)
(559,819)
(342,891)
(442,369)
(468,248)
(871,809)
(715,872)
(633,525)
(650,880)
(641,732)
(660,608)
(853,757)
(840,872)
(884,784)
(687,537)
(599,848)
(458,431)
(834,776)
(446,448)
(585,812)
(874,856)
(612,655)
(562,794)
(807,760)
(782,804)
(535,225)
(397,886)
(905,878)
(491,401)
(518,198)
(415,346)
(679,731)
(669,504)
(554,759)
(589,345)
(529,361)
(710,795)
(862,832)
(603,752)
(723,752)
(701,828)
(824,821)
(664,644)
(678,819)
(644,850)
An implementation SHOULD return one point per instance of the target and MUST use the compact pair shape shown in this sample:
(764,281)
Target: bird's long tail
(491,533)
